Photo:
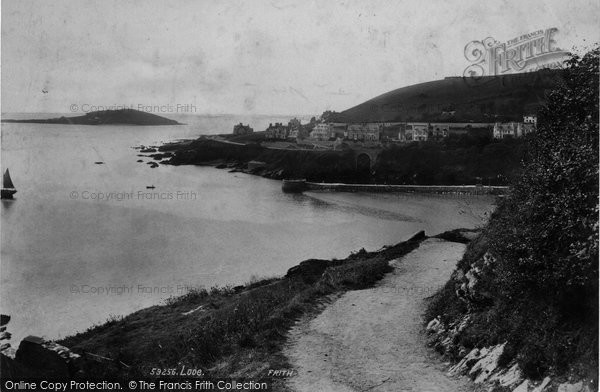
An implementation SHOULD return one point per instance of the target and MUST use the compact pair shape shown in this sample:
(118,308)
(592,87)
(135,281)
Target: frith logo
(526,53)
(281,372)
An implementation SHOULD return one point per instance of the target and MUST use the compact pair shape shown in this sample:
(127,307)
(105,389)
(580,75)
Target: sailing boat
(8,188)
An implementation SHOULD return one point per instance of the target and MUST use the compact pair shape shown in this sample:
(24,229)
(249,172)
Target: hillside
(458,99)
(530,281)
(106,117)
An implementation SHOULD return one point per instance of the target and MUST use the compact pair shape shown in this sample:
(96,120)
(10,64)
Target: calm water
(70,258)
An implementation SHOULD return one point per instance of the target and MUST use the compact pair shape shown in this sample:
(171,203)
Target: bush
(544,235)
(464,159)
(547,232)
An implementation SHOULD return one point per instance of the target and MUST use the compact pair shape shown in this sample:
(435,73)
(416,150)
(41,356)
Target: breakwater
(300,186)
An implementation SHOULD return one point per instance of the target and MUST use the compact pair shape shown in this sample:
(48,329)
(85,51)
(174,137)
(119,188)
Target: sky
(252,57)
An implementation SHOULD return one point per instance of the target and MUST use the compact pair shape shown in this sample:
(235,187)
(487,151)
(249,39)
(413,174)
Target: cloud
(262,56)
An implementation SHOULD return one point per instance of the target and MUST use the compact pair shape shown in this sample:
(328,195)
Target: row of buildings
(394,131)
(515,129)
(366,132)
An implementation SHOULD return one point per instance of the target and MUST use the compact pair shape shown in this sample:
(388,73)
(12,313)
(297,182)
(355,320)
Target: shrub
(544,235)
(546,232)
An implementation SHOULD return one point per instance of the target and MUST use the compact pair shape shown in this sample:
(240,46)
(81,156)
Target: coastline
(389,165)
(300,197)
(244,327)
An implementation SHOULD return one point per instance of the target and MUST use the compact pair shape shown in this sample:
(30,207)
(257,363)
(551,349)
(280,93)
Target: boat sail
(8,188)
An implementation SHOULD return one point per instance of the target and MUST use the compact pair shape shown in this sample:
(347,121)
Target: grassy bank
(230,331)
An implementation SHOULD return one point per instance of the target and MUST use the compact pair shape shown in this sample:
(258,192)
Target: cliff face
(106,117)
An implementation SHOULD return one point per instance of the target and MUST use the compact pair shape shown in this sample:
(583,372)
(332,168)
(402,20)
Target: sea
(86,240)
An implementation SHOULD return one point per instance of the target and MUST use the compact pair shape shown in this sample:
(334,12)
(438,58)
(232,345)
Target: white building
(530,119)
(502,130)
(321,132)
(417,131)
(512,129)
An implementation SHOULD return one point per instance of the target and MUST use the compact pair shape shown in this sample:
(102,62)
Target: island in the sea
(106,117)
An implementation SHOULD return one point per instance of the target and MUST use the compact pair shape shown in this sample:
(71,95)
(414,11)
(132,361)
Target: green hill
(459,99)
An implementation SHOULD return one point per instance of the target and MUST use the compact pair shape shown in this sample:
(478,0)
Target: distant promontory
(106,117)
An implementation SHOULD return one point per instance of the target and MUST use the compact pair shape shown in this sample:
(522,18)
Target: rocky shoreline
(411,164)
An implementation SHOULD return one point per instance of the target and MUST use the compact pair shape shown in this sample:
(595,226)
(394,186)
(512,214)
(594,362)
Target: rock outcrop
(483,365)
(48,358)
(36,357)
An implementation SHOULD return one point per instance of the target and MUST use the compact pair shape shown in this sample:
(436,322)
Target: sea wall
(439,189)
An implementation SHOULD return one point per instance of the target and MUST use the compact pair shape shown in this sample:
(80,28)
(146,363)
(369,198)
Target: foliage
(457,160)
(544,236)
(547,232)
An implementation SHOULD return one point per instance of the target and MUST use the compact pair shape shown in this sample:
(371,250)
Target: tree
(329,116)
(545,234)
(551,233)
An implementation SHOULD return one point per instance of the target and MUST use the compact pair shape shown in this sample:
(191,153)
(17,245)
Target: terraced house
(515,129)
(364,132)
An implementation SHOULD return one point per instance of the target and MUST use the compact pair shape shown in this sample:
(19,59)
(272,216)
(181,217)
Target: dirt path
(372,340)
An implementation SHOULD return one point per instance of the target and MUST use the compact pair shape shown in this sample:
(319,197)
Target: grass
(239,331)
(488,99)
